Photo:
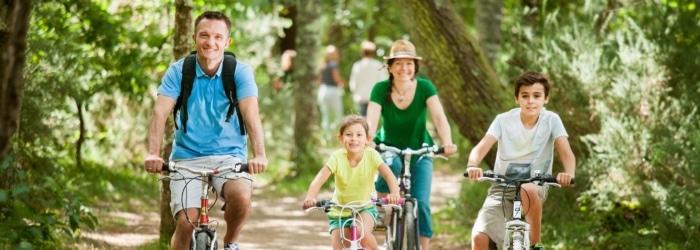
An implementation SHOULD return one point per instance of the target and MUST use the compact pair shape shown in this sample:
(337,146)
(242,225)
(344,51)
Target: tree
(181,47)
(488,17)
(13,33)
(471,92)
(305,72)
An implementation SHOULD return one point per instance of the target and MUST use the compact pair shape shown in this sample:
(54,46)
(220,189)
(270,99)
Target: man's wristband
(471,166)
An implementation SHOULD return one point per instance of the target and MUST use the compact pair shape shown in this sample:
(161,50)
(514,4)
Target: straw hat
(402,49)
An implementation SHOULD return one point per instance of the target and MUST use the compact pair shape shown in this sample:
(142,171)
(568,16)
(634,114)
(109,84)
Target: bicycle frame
(203,237)
(406,221)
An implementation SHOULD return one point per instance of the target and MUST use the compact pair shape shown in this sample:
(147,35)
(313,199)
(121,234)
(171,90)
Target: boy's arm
(568,160)
(477,154)
(315,186)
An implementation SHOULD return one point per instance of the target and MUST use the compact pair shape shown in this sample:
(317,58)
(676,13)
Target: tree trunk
(305,87)
(489,15)
(181,47)
(13,34)
(471,92)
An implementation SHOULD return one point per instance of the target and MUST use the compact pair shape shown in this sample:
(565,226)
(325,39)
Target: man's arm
(156,130)
(251,115)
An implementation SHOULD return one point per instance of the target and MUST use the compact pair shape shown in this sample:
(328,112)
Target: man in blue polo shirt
(209,140)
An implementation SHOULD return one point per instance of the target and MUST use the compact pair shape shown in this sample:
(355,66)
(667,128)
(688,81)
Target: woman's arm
(439,119)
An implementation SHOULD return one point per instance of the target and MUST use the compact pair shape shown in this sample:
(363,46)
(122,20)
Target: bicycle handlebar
(429,150)
(543,179)
(327,204)
(236,168)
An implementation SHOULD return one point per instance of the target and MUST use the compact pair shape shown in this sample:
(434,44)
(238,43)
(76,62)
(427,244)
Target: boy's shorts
(336,223)
(191,198)
(491,219)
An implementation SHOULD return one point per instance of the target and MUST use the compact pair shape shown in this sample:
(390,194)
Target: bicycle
(354,238)
(203,236)
(517,236)
(402,229)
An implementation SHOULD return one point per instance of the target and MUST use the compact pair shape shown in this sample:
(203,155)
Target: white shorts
(191,198)
(493,214)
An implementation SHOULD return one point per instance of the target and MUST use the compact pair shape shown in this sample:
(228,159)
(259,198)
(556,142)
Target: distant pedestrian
(330,92)
(365,73)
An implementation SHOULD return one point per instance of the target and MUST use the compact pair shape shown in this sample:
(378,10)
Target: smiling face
(531,98)
(211,39)
(403,69)
(354,138)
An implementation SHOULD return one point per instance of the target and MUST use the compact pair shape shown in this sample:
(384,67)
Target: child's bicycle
(203,236)
(517,236)
(354,238)
(402,229)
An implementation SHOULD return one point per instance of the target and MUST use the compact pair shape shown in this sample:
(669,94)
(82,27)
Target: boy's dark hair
(529,78)
(213,15)
(353,119)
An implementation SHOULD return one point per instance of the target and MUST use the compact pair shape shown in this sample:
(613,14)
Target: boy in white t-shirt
(526,139)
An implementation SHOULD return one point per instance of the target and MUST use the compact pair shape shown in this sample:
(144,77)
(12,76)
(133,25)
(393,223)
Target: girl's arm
(315,186)
(437,114)
(391,181)
(477,154)
(568,160)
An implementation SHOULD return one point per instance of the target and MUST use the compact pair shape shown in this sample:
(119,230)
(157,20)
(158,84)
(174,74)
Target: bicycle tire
(202,241)
(394,231)
(410,226)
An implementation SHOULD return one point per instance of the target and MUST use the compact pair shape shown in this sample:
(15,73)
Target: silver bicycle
(517,235)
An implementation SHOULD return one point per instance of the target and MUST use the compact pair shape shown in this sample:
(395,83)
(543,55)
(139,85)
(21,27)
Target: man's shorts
(191,198)
(336,223)
(493,215)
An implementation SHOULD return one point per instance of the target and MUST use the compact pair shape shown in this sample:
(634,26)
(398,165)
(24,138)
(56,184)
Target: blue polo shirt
(208,133)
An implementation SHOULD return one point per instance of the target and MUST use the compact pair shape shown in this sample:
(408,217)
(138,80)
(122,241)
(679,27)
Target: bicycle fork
(517,230)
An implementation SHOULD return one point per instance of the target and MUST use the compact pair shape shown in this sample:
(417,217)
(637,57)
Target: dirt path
(275,223)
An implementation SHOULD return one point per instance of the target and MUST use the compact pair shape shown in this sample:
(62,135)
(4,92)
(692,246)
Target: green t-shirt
(353,186)
(407,127)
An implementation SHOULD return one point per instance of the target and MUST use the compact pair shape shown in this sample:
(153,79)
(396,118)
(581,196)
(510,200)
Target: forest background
(78,82)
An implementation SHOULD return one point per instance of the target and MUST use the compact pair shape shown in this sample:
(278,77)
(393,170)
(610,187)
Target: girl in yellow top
(354,168)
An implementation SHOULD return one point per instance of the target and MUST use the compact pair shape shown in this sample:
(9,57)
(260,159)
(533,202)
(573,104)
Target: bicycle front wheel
(394,230)
(203,241)
(410,225)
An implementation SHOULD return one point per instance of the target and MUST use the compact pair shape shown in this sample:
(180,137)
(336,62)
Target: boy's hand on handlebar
(257,165)
(564,179)
(153,163)
(474,172)
(450,149)
(393,198)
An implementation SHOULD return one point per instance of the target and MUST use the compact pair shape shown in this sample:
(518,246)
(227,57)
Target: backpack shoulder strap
(229,81)
(189,68)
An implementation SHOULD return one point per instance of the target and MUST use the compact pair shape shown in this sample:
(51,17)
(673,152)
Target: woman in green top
(403,102)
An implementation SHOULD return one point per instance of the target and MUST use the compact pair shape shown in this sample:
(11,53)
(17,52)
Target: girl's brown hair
(353,119)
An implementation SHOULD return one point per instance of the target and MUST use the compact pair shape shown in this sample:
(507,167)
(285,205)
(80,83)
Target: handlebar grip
(244,167)
(319,203)
(440,150)
(572,181)
(384,200)
(549,178)
(166,166)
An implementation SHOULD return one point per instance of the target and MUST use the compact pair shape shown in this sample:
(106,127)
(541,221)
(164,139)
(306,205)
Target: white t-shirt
(522,151)
(365,73)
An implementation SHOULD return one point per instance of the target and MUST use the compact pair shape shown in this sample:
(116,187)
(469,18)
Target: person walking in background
(403,103)
(284,76)
(354,168)
(330,92)
(204,136)
(364,74)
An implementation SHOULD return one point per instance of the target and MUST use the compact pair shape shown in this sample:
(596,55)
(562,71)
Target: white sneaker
(231,246)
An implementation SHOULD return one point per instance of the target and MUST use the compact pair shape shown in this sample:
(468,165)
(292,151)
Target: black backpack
(189,68)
